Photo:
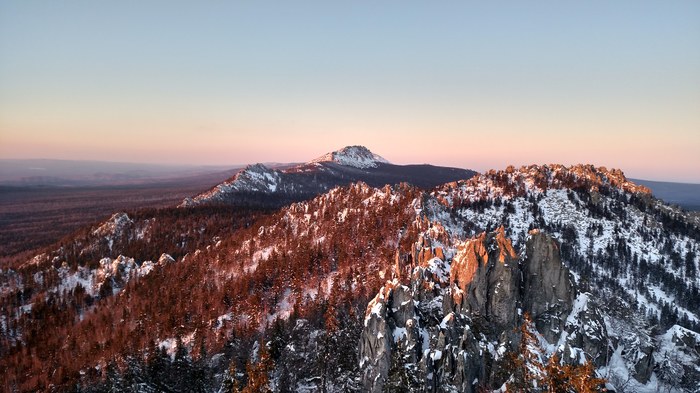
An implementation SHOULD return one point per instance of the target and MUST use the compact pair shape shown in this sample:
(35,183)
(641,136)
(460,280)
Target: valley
(35,216)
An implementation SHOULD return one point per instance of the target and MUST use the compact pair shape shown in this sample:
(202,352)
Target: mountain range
(685,195)
(299,182)
(348,273)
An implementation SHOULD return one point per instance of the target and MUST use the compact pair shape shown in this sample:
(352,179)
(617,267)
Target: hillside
(573,271)
(260,185)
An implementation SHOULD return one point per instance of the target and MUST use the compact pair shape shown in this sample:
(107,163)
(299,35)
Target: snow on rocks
(114,225)
(679,351)
(353,156)
(253,178)
(165,259)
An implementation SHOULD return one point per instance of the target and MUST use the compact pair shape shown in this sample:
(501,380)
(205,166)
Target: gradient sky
(457,83)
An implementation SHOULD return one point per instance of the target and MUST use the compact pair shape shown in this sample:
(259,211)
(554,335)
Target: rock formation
(548,288)
(459,318)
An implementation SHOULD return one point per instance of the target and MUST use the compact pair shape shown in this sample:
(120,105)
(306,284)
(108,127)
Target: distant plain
(36,216)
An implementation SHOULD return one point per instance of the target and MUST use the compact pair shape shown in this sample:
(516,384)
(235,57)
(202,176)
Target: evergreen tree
(278,339)
(529,372)
(230,382)
(584,380)
(258,378)
(181,366)
(555,375)
(403,375)
(113,381)
(157,363)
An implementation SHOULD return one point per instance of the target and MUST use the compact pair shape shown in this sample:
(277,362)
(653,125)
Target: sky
(468,84)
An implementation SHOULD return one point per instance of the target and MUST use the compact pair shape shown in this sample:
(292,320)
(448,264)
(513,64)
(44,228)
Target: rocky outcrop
(644,364)
(456,361)
(459,317)
(426,249)
(375,342)
(585,333)
(677,358)
(486,280)
(548,286)
(516,181)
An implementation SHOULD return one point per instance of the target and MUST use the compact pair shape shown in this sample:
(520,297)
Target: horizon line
(279,163)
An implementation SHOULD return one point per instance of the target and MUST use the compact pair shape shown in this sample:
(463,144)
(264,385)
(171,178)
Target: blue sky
(479,85)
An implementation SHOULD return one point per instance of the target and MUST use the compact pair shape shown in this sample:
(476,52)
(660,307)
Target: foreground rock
(454,326)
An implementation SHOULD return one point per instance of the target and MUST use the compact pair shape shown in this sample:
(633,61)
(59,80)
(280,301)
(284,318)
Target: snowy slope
(353,156)
(617,235)
(253,178)
(635,260)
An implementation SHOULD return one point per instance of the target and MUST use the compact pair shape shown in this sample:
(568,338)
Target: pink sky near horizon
(471,85)
(649,159)
(474,137)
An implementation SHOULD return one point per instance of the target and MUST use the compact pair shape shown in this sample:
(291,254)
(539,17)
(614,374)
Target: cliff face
(458,319)
(485,280)
(548,289)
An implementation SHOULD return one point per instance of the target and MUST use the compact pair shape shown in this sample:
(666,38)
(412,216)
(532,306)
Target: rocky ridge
(458,317)
(258,184)
(255,178)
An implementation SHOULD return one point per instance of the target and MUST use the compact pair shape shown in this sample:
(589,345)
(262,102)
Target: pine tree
(182,366)
(230,382)
(584,380)
(529,373)
(278,338)
(113,380)
(567,378)
(158,365)
(134,373)
(258,379)
(402,374)
(328,355)
(330,318)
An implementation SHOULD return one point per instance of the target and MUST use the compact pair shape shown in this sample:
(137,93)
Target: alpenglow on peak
(354,156)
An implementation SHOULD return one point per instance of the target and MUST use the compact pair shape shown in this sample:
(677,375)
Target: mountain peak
(339,168)
(255,168)
(355,156)
(253,178)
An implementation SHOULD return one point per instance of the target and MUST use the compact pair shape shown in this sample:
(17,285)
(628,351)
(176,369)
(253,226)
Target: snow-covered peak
(254,178)
(114,225)
(354,156)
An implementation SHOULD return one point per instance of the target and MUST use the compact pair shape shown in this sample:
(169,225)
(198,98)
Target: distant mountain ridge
(260,184)
(354,156)
(685,195)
